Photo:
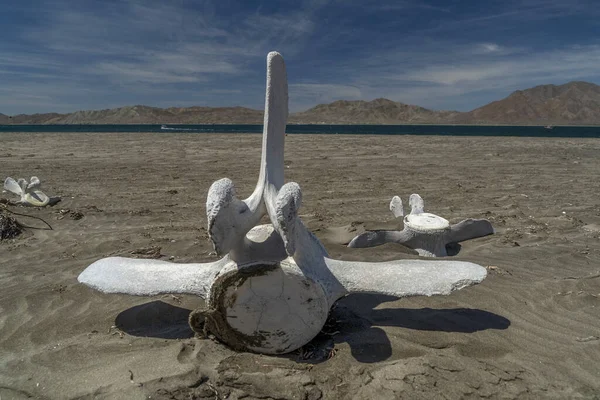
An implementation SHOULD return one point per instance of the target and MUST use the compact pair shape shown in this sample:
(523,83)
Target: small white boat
(166,128)
(549,127)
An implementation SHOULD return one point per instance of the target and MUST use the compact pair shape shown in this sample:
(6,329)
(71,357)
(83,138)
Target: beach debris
(6,202)
(426,233)
(10,228)
(117,331)
(497,270)
(7,224)
(273,288)
(29,192)
(73,214)
(587,339)
(147,252)
(143,211)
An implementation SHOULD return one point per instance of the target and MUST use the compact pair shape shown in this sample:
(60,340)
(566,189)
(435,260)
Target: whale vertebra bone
(273,289)
(29,192)
(427,233)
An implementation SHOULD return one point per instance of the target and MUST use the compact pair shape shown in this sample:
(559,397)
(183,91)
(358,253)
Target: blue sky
(65,55)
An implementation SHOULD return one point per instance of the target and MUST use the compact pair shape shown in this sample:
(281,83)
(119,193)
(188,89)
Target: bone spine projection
(273,288)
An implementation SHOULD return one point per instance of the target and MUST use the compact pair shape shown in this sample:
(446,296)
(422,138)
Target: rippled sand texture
(530,330)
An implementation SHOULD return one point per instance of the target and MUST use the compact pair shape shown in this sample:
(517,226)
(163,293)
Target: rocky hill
(378,111)
(174,115)
(571,103)
(146,115)
(33,119)
(574,103)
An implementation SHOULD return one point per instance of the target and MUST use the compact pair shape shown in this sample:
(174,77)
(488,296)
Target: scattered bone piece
(427,233)
(29,192)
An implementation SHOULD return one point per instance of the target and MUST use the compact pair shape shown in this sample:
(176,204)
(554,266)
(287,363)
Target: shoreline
(541,124)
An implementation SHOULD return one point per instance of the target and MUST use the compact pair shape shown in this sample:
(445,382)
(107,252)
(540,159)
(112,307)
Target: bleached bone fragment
(427,233)
(416,204)
(396,207)
(29,192)
(275,285)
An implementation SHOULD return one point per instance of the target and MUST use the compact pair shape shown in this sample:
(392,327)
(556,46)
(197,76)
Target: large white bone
(229,219)
(396,207)
(272,291)
(29,192)
(427,233)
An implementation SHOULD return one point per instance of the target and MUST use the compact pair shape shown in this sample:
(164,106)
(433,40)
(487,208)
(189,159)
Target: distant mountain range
(574,103)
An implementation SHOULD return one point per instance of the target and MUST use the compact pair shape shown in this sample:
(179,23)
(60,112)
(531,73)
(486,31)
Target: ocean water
(442,130)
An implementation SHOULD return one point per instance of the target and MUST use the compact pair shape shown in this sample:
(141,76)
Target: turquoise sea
(442,130)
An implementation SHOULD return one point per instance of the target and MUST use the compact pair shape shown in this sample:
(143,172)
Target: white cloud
(132,46)
(427,78)
(150,41)
(133,73)
(451,75)
(188,52)
(490,48)
(570,63)
(437,85)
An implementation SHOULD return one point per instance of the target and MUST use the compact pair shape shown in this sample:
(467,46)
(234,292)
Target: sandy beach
(530,330)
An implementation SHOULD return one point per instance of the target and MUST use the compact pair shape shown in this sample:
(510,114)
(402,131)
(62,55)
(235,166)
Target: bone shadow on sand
(354,320)
(461,320)
(357,322)
(155,319)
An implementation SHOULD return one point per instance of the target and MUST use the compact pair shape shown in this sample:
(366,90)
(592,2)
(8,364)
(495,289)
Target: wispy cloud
(573,63)
(140,44)
(475,82)
(470,80)
(407,5)
(59,55)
